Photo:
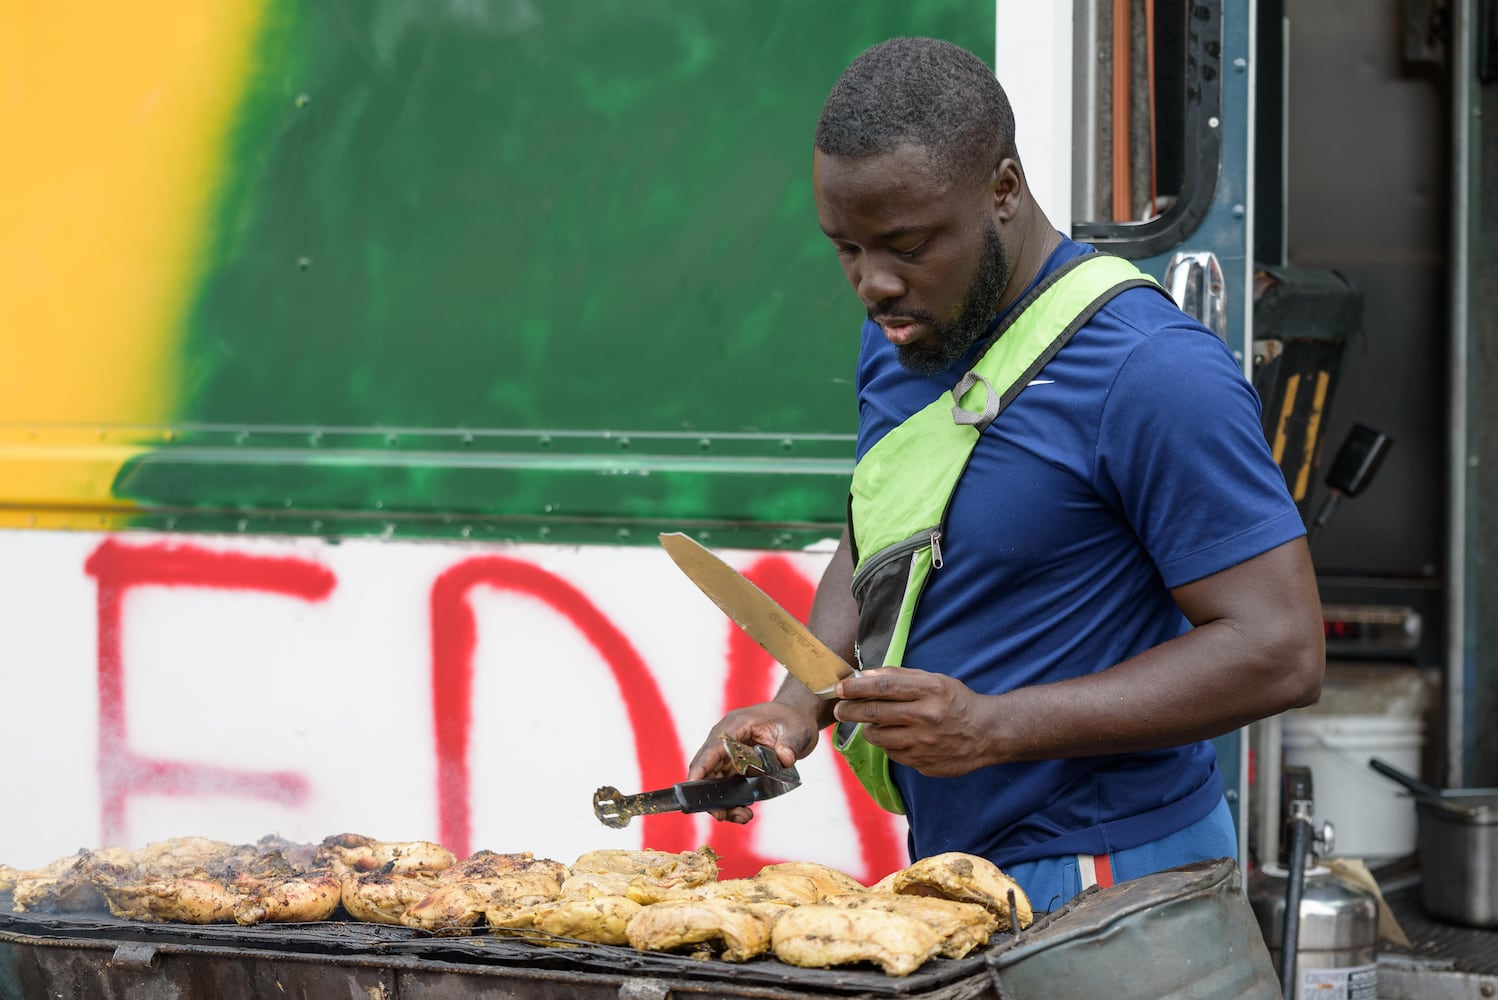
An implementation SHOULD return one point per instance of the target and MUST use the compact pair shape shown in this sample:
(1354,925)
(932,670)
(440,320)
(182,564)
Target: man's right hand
(790,732)
(790,724)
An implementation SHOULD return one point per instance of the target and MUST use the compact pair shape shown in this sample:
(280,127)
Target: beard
(949,341)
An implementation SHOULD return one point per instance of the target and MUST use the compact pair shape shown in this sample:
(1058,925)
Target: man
(1122,572)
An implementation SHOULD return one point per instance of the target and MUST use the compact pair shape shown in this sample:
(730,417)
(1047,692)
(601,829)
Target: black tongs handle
(616,810)
(725,793)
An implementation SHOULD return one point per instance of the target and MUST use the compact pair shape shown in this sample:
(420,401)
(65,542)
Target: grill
(1193,922)
(96,955)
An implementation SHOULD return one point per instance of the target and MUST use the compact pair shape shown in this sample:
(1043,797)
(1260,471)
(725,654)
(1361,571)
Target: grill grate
(1468,950)
(535,952)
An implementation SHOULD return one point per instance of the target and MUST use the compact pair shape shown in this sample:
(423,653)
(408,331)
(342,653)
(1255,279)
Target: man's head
(920,92)
(916,182)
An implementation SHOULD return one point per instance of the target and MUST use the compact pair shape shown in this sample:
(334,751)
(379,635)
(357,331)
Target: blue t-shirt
(1134,462)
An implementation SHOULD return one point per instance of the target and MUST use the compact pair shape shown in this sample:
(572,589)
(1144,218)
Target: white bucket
(1371,815)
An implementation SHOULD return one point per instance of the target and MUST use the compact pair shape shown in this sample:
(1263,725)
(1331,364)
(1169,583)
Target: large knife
(776,630)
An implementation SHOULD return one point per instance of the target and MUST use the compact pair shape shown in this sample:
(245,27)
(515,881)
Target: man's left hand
(930,722)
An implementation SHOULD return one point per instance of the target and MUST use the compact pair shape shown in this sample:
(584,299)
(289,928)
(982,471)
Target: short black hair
(923,92)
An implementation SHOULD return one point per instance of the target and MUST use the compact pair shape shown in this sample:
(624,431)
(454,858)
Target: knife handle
(616,810)
(718,793)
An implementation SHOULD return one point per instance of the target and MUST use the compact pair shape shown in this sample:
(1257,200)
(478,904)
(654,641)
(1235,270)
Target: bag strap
(1068,298)
(936,440)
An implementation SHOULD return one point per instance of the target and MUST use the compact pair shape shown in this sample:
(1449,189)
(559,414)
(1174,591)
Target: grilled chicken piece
(63,886)
(602,919)
(737,930)
(592,885)
(365,854)
(196,881)
(791,882)
(966,878)
(962,926)
(486,881)
(827,881)
(288,897)
(383,897)
(788,889)
(182,899)
(820,936)
(645,876)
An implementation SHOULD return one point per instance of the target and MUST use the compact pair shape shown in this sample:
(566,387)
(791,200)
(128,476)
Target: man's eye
(914,251)
(844,250)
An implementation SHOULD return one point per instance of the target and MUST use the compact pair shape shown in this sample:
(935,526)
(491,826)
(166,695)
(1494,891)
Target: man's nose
(877,283)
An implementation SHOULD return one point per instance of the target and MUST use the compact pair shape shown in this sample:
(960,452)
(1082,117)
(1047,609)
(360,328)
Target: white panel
(1033,58)
(332,696)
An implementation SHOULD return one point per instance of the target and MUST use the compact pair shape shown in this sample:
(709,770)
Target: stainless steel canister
(1337,947)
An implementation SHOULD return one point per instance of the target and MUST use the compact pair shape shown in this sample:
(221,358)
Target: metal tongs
(760,777)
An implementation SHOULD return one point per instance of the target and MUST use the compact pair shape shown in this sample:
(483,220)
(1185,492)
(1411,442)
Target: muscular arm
(1256,649)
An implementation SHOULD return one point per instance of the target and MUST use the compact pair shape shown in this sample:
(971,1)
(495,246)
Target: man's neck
(1038,240)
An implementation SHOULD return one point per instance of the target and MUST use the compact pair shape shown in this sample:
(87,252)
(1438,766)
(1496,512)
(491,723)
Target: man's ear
(1007,186)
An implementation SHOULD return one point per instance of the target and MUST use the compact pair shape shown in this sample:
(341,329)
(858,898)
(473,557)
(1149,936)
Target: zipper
(925,538)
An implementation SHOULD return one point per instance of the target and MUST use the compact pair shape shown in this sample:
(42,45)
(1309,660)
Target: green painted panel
(569,219)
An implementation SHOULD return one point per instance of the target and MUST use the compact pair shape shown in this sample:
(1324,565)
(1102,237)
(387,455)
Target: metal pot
(1458,849)
(1458,846)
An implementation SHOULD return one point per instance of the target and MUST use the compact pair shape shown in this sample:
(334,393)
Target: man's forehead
(906,171)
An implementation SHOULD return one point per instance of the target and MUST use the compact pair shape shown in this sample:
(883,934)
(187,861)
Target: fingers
(711,760)
(738,814)
(897,696)
(886,684)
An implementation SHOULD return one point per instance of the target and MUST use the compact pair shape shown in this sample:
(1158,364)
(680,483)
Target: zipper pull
(936,548)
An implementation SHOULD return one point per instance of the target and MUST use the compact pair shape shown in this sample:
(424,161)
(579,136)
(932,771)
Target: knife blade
(776,630)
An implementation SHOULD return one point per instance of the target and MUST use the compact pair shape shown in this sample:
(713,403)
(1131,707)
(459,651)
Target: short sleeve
(1182,449)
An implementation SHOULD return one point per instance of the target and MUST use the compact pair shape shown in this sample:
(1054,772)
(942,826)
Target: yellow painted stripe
(114,117)
(1313,428)
(1292,388)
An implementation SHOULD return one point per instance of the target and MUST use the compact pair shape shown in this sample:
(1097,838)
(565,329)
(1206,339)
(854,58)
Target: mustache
(917,315)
